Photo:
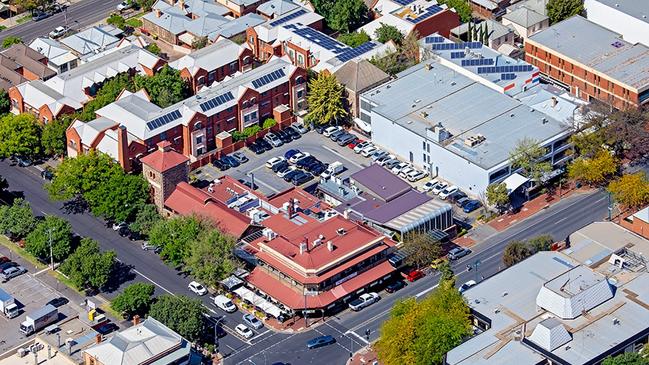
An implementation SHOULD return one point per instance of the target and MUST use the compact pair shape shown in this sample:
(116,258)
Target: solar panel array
(318,38)
(478,62)
(287,18)
(450,46)
(507,76)
(434,39)
(266,79)
(460,54)
(165,119)
(430,11)
(403,2)
(505,69)
(355,52)
(214,102)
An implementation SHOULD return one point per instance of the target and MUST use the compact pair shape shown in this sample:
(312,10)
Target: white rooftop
(212,57)
(55,52)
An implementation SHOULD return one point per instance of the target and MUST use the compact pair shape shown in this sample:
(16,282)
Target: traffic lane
(79,15)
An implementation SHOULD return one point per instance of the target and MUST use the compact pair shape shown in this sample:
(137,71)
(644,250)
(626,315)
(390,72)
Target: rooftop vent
(423,115)
(330,245)
(341,231)
(303,247)
(473,141)
(268,233)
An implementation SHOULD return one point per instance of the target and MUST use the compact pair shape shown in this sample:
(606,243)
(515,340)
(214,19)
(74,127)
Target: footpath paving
(365,356)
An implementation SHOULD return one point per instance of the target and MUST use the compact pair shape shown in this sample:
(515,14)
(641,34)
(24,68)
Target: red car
(4,259)
(413,274)
(354,143)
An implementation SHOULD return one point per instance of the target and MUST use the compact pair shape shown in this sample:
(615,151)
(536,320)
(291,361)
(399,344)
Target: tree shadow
(120,274)
(75,206)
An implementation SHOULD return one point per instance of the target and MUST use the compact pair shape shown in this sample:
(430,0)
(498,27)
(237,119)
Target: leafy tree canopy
(107,94)
(19,135)
(342,15)
(174,236)
(165,88)
(627,358)
(118,197)
(5,103)
(17,220)
(199,42)
(515,252)
(595,170)
(181,314)
(497,195)
(153,48)
(53,136)
(117,21)
(354,39)
(559,10)
(526,155)
(325,99)
(211,257)
(631,190)
(422,249)
(135,299)
(145,218)
(406,55)
(87,266)
(268,123)
(10,41)
(461,7)
(38,241)
(388,32)
(80,175)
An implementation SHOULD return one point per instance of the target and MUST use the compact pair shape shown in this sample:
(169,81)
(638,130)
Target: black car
(346,139)
(306,161)
(301,178)
(285,137)
(280,166)
(288,177)
(313,166)
(23,161)
(320,341)
(318,169)
(219,164)
(320,129)
(255,148)
(295,134)
(264,144)
(47,174)
(106,328)
(57,302)
(124,231)
(230,161)
(395,286)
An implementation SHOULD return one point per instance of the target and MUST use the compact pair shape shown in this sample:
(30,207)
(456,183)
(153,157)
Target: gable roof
(275,8)
(360,75)
(90,41)
(164,158)
(55,52)
(525,17)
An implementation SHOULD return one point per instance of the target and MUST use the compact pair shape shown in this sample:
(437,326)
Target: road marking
(357,336)
(263,350)
(147,278)
(259,335)
(424,292)
(42,271)
(341,156)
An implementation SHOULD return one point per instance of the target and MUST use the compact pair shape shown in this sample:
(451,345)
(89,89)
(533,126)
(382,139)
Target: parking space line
(259,335)
(357,336)
(343,157)
(42,271)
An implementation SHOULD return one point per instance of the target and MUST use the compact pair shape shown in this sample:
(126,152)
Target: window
(300,93)
(250,117)
(73,64)
(199,140)
(199,151)
(234,66)
(198,126)
(64,67)
(300,60)
(423,145)
(366,118)
(201,80)
(163,136)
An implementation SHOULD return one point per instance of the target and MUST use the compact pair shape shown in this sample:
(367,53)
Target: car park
(282,165)
(464,287)
(124,5)
(230,161)
(106,328)
(290,153)
(457,253)
(252,321)
(301,178)
(264,144)
(12,272)
(396,286)
(240,157)
(197,288)
(6,265)
(470,206)
(306,161)
(219,164)
(298,156)
(369,150)
(320,342)
(224,303)
(244,331)
(448,191)
(337,135)
(283,172)
(284,136)
(361,146)
(274,161)
(439,188)
(413,275)
(365,300)
(59,32)
(329,130)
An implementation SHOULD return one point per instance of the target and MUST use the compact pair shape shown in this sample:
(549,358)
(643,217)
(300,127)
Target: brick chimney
(98,338)
(158,13)
(164,146)
(122,148)
(136,320)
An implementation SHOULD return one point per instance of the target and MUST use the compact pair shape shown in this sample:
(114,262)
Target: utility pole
(610,207)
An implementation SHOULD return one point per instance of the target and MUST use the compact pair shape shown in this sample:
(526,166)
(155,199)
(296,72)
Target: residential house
(273,9)
(92,41)
(239,8)
(19,64)
(59,57)
(491,33)
(525,22)
(358,76)
(489,9)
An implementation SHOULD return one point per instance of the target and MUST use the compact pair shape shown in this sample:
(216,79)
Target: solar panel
(287,18)
(434,39)
(403,2)
(319,38)
(507,76)
(457,55)
(358,51)
(266,79)
(162,120)
(216,101)
(430,11)
(478,62)
(505,69)
(454,46)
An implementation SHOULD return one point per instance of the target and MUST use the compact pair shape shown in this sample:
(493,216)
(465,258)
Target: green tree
(527,155)
(461,7)
(325,99)
(342,15)
(82,174)
(87,266)
(38,241)
(211,257)
(559,10)
(145,218)
(497,195)
(627,358)
(181,314)
(135,299)
(515,252)
(117,21)
(53,136)
(540,243)
(406,55)
(422,249)
(388,32)
(17,220)
(19,135)
(10,41)
(199,42)
(118,197)
(595,170)
(174,236)
(153,48)
(354,39)
(268,123)
(446,273)
(5,103)
(165,88)
(631,190)
(107,94)
(145,4)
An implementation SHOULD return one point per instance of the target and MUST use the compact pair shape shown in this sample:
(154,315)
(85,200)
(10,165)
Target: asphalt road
(79,16)
(348,327)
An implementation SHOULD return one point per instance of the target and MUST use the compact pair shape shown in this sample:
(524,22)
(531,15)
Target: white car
(448,191)
(369,150)
(439,188)
(365,300)
(244,331)
(59,32)
(430,185)
(397,169)
(274,161)
(298,156)
(124,5)
(285,172)
(359,147)
(415,175)
(378,154)
(467,285)
(405,171)
(225,303)
(197,288)
(329,131)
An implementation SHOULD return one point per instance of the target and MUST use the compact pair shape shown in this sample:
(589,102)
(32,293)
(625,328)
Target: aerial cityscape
(326,182)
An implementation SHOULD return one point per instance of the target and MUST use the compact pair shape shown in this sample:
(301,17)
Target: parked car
(197,288)
(438,262)
(320,342)
(397,169)
(284,136)
(300,128)
(106,328)
(405,171)
(346,139)
(283,172)
(306,161)
(361,146)
(470,206)
(230,161)
(457,253)
(396,286)
(354,143)
(391,163)
(369,150)
(219,164)
(298,156)
(4,266)
(365,300)
(439,188)
(317,169)
(256,148)
(413,275)
(415,175)
(335,136)
(124,5)
(460,202)
(282,165)
(301,178)
(252,321)
(40,15)
(290,153)
(378,154)
(329,130)
(244,331)
(274,161)
(4,259)
(119,226)
(453,198)
(383,159)
(289,176)
(12,272)
(240,157)
(225,303)
(264,144)
(293,132)
(448,191)
(23,161)
(464,287)
(321,128)
(59,32)
(47,174)
(429,185)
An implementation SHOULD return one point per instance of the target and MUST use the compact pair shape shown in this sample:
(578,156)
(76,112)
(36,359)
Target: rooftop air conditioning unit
(341,231)
(269,233)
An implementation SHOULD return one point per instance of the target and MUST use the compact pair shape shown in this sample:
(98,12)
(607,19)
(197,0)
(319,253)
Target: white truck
(334,169)
(40,319)
(8,305)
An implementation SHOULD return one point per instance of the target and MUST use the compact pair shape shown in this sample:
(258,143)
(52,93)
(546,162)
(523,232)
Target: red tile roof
(188,200)
(302,199)
(164,158)
(294,299)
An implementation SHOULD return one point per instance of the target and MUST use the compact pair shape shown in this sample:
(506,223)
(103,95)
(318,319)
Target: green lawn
(24,19)
(21,252)
(133,22)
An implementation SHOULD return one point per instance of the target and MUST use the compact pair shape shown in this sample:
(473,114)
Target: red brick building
(638,222)
(591,61)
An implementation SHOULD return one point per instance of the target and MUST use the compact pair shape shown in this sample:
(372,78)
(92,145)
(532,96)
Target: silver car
(12,272)
(273,139)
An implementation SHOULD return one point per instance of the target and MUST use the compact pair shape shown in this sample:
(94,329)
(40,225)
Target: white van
(225,303)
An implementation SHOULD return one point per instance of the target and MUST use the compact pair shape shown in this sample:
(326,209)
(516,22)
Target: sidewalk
(366,356)
(13,21)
